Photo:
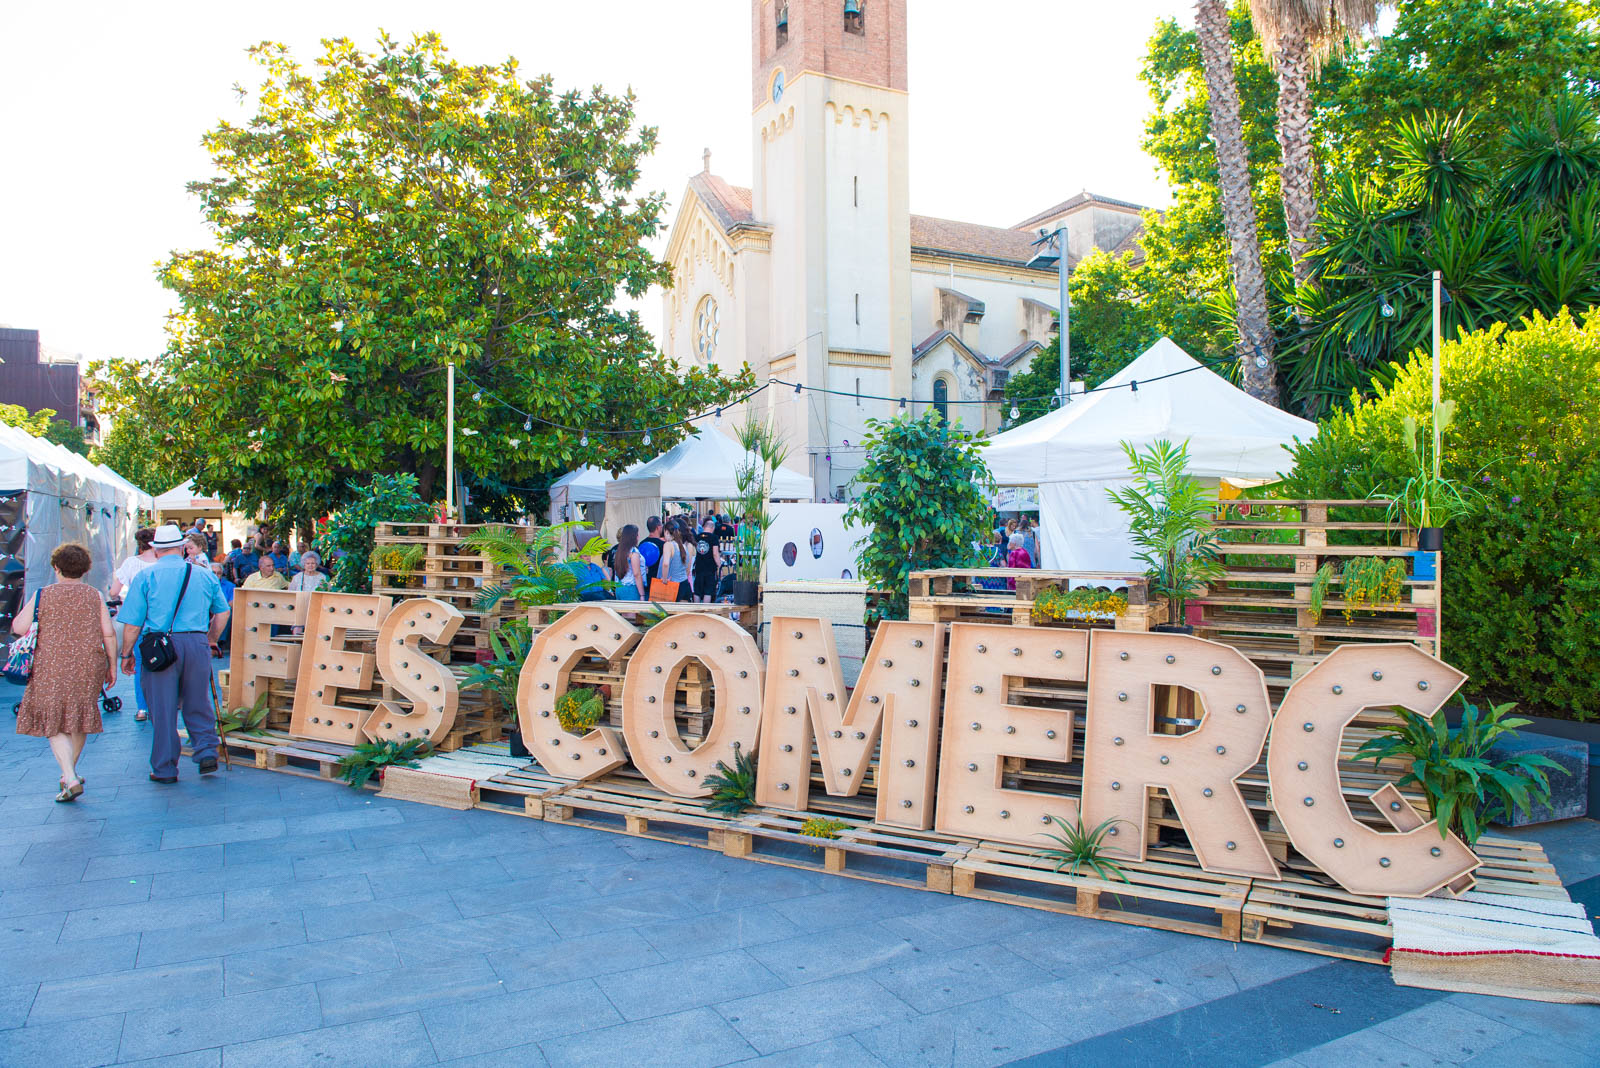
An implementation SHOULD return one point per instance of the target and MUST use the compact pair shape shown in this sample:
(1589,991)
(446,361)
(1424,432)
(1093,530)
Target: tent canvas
(705,467)
(1074,454)
(184,499)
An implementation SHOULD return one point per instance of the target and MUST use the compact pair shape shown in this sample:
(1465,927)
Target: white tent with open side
(1074,454)
(702,467)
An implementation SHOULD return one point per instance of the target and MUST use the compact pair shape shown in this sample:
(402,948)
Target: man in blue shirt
(194,616)
(280,556)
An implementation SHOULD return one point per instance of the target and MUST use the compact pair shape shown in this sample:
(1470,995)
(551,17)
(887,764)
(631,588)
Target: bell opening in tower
(782,23)
(855,17)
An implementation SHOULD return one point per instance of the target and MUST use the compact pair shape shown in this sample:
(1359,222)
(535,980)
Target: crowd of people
(683,558)
(1015,544)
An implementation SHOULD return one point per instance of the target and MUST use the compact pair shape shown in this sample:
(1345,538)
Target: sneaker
(208,765)
(164,781)
(141,717)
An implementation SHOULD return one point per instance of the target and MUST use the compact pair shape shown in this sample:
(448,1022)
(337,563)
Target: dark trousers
(185,686)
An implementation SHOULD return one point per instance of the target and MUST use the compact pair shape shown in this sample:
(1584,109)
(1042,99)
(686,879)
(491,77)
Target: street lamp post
(450,441)
(1057,255)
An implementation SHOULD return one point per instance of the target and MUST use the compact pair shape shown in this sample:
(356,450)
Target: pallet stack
(1273,549)
(1006,595)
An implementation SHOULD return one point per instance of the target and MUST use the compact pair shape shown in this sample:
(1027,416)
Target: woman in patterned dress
(75,657)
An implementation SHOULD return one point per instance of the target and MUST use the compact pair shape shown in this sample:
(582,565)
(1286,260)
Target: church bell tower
(830,140)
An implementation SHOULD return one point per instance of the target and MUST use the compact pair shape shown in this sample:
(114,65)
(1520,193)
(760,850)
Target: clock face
(777,85)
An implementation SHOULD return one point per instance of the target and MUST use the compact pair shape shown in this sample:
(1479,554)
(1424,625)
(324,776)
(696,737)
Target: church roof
(971,240)
(1076,201)
(731,204)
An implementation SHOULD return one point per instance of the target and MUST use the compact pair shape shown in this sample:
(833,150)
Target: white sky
(1015,105)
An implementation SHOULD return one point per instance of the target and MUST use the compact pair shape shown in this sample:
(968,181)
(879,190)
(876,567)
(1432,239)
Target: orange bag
(663,591)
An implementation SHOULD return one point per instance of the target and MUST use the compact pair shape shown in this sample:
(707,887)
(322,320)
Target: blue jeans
(138,683)
(627,591)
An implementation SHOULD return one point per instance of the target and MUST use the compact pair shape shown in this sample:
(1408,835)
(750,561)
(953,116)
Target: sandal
(141,717)
(70,793)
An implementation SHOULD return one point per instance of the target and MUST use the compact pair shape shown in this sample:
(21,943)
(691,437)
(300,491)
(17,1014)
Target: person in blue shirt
(194,615)
(280,556)
(227,594)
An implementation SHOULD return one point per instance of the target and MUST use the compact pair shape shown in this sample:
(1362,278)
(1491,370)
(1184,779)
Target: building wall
(26,378)
(967,383)
(1006,323)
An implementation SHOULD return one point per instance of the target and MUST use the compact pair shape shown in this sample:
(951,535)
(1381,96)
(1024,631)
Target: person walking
(72,661)
(185,603)
(129,568)
(630,565)
(676,554)
(707,562)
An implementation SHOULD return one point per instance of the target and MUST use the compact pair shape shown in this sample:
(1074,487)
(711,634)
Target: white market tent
(1074,454)
(49,495)
(185,502)
(703,467)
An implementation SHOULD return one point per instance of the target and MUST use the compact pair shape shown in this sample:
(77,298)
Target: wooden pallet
(523,792)
(862,849)
(1307,911)
(1168,890)
(634,807)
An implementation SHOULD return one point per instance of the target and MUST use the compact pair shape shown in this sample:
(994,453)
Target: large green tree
(134,449)
(384,215)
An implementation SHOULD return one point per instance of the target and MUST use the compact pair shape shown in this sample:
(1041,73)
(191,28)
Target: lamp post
(450,441)
(1438,290)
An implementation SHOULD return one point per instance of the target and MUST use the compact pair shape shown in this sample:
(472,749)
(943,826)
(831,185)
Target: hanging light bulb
(1015,414)
(1386,309)
(718,419)
(797,387)
(584,441)
(527,424)
(902,402)
(478,396)
(647,437)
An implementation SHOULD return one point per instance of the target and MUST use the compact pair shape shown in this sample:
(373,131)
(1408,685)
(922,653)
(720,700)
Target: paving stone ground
(254,918)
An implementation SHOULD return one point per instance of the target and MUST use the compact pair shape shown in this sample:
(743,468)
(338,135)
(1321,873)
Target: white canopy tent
(55,496)
(704,467)
(1074,454)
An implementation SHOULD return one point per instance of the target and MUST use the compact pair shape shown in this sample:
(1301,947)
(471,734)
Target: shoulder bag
(19,665)
(155,646)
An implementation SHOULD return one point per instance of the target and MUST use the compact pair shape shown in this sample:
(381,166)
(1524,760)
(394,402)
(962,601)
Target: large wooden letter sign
(255,655)
(432,689)
(326,666)
(544,679)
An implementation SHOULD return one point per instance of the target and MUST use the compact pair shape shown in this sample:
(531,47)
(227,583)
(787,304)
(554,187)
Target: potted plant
(508,645)
(1427,500)
(1466,787)
(540,574)
(765,452)
(1169,519)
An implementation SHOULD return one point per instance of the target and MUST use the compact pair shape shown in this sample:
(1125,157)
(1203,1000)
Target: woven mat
(1496,944)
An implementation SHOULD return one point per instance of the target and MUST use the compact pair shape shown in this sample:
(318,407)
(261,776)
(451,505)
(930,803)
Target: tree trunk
(1294,138)
(1238,212)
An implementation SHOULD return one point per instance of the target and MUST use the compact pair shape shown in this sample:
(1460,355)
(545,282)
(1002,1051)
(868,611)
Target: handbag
(661,590)
(156,652)
(19,665)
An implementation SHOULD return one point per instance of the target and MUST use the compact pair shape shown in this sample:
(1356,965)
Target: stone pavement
(254,918)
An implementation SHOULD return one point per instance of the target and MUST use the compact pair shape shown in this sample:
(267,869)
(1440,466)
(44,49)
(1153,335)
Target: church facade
(819,276)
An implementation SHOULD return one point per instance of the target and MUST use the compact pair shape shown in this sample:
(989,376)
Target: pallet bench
(862,849)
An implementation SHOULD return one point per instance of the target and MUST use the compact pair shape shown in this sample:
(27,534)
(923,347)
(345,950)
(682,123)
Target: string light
(478,396)
(583,442)
(647,437)
(1015,413)
(527,424)
(718,419)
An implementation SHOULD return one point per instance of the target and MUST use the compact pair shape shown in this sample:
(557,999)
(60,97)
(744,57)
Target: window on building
(858,309)
(855,17)
(858,393)
(855,190)
(941,398)
(783,25)
(707,329)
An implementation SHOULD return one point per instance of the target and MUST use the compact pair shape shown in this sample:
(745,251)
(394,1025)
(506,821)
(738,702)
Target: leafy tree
(1521,611)
(382,216)
(67,435)
(133,450)
(924,499)
(35,423)
(1513,226)
(352,532)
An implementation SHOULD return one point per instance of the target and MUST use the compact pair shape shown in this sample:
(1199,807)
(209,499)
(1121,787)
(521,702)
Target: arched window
(855,17)
(941,398)
(707,328)
(782,24)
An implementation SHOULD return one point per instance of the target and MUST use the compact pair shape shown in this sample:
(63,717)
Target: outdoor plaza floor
(254,918)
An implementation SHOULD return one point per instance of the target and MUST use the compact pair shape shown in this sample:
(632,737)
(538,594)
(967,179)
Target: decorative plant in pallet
(822,827)
(1319,592)
(508,644)
(765,452)
(1170,520)
(1054,603)
(402,559)
(1369,582)
(1466,789)
(1081,848)
(539,572)
(244,720)
(733,789)
(579,709)
(1426,499)
(368,758)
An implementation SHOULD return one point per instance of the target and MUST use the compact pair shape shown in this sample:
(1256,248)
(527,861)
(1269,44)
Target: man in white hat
(187,604)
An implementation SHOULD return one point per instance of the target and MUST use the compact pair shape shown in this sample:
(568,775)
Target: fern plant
(733,789)
(1169,519)
(1082,848)
(579,709)
(540,574)
(1465,788)
(509,642)
(360,765)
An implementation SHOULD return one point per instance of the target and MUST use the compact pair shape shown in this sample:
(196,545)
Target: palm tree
(1296,36)
(1257,365)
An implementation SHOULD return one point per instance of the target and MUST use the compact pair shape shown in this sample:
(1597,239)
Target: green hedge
(1521,574)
